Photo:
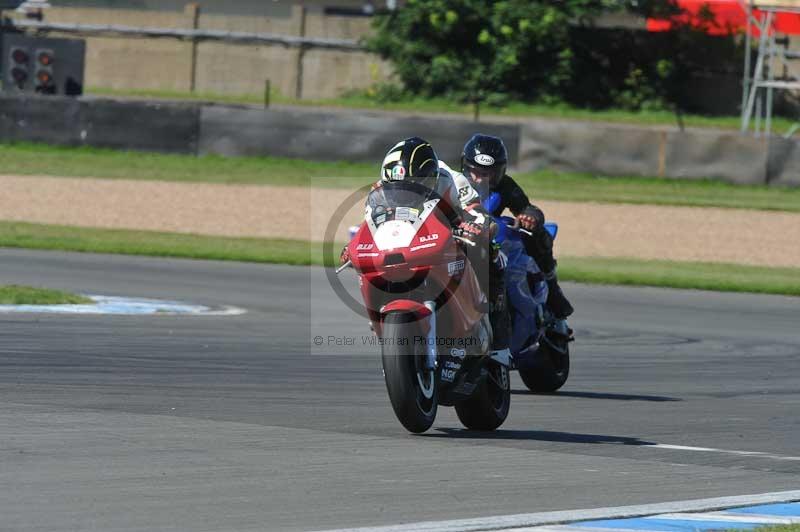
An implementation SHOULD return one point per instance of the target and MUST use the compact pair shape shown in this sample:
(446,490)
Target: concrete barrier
(625,150)
(604,149)
(171,128)
(588,147)
(332,136)
(729,156)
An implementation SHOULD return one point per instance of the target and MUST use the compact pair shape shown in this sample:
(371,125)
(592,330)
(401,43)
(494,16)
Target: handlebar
(465,240)
(343,267)
(514,226)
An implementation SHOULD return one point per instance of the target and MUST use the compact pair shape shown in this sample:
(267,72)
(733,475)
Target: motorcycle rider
(414,160)
(484,161)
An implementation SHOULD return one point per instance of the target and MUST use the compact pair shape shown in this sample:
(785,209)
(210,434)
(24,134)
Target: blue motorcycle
(539,341)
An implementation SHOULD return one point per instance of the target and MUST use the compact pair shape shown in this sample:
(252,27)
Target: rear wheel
(487,408)
(550,371)
(412,388)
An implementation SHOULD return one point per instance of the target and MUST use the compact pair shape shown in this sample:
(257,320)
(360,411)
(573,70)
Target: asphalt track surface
(240,423)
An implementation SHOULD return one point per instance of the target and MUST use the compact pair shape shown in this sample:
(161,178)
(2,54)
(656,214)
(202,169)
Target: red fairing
(406,305)
(432,265)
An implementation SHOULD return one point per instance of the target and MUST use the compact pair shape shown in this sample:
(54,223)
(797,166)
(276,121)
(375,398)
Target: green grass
(779,528)
(695,275)
(37,159)
(442,105)
(29,295)
(722,277)
(62,161)
(156,244)
(562,186)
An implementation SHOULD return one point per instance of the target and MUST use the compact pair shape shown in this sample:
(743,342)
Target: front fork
(430,355)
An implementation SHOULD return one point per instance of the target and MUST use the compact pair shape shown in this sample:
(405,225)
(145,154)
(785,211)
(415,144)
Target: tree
(474,49)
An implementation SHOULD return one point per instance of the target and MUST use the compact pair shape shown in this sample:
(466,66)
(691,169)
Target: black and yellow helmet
(411,160)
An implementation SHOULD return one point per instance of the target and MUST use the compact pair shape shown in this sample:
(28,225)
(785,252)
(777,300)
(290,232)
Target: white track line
(732,518)
(521,521)
(123,306)
(721,451)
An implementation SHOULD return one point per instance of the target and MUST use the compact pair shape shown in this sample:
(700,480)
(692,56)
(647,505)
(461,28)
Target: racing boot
(556,300)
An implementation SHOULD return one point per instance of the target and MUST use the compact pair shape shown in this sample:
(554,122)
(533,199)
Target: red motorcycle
(426,306)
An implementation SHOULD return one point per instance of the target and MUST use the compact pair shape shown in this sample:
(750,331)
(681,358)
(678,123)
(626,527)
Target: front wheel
(550,371)
(412,388)
(487,408)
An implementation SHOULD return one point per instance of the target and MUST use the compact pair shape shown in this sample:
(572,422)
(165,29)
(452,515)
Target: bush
(548,52)
(470,48)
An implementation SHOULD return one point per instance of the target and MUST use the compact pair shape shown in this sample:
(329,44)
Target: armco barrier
(146,126)
(605,149)
(332,136)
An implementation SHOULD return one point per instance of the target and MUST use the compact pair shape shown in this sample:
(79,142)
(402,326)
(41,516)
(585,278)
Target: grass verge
(443,105)
(38,159)
(29,295)
(62,161)
(779,528)
(721,277)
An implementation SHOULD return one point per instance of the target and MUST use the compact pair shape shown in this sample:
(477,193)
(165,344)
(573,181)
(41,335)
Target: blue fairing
(525,296)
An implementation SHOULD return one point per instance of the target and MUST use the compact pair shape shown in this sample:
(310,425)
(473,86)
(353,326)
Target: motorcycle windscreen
(398,200)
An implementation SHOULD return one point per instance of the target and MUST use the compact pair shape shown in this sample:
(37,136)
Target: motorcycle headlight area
(394,234)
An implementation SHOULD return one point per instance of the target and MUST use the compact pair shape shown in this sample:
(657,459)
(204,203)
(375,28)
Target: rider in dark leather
(484,162)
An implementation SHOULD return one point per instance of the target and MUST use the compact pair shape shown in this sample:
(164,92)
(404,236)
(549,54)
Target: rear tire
(550,371)
(404,371)
(487,408)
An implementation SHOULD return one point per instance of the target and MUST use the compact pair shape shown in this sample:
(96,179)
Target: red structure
(723,17)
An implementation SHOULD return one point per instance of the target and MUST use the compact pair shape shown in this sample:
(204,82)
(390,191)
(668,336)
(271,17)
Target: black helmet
(411,160)
(484,160)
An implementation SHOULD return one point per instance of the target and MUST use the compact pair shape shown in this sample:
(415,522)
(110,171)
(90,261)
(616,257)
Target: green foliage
(470,49)
(548,52)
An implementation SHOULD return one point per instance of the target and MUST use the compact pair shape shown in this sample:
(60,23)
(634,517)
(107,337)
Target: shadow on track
(536,435)
(601,395)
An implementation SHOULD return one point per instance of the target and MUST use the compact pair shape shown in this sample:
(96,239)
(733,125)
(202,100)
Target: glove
(345,255)
(527,222)
(468,230)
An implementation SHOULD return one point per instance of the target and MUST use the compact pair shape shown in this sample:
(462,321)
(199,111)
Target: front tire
(550,371)
(412,389)
(487,408)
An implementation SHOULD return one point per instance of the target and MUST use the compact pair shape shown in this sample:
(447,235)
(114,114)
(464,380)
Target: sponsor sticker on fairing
(458,353)
(406,213)
(455,266)
(424,246)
